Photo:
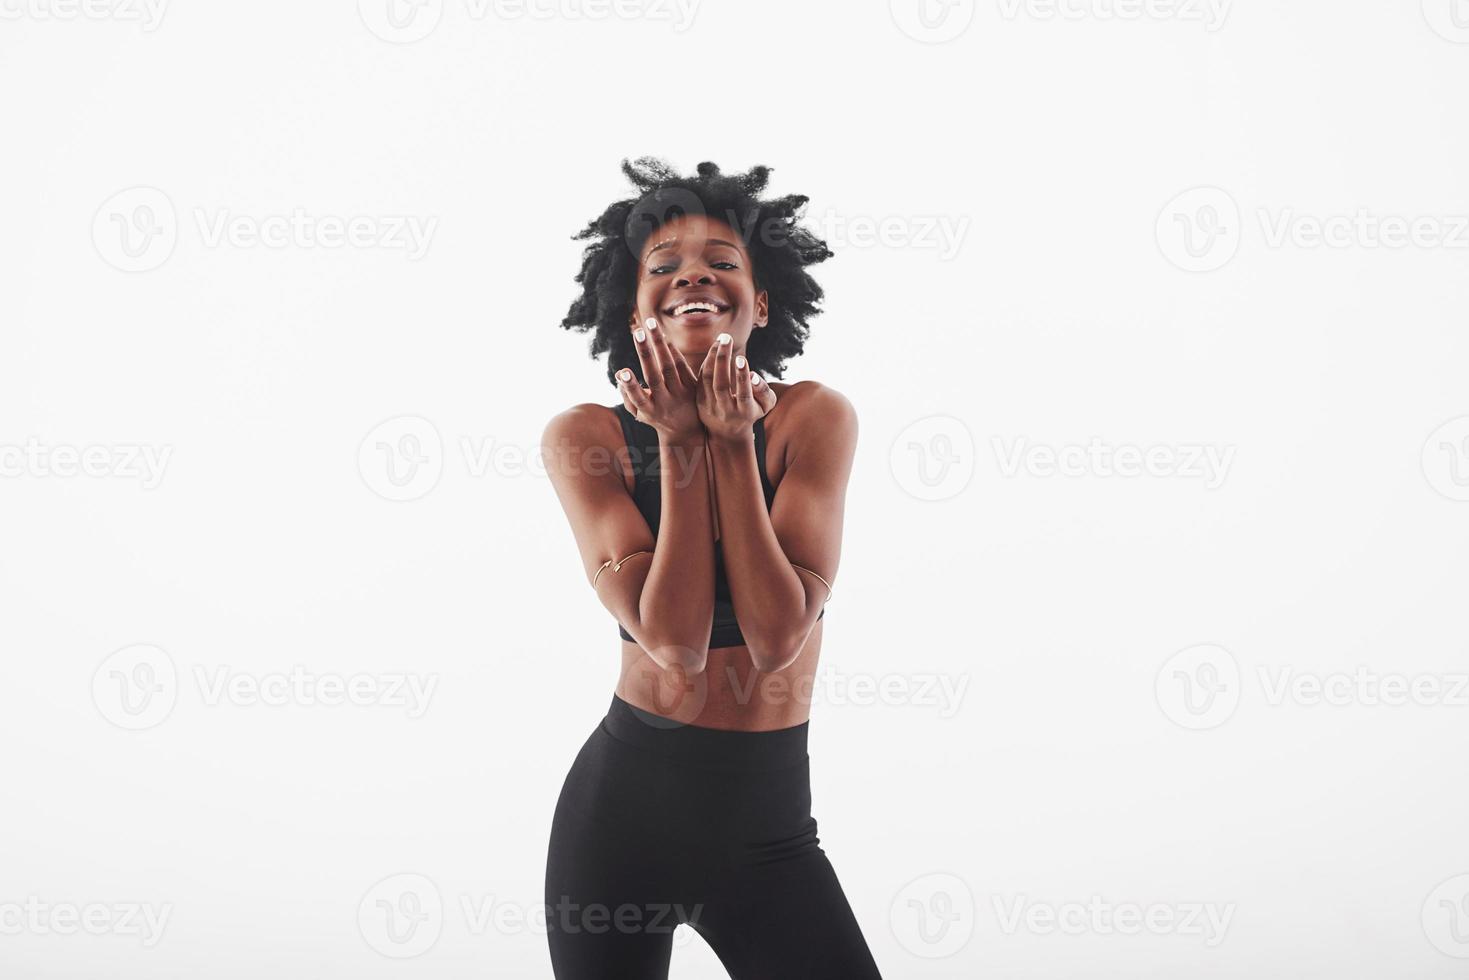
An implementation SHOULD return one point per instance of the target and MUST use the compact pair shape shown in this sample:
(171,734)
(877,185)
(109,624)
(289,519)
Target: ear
(762,308)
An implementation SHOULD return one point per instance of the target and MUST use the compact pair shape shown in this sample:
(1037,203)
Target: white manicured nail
(754,379)
(739,360)
(641,334)
(651,323)
(725,338)
(626,375)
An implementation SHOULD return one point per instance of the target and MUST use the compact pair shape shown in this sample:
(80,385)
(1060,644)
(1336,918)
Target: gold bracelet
(823,581)
(616,566)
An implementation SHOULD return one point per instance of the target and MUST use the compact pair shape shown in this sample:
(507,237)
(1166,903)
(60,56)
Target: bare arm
(665,600)
(767,554)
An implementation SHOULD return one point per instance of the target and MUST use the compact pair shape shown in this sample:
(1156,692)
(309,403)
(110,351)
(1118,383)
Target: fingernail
(725,338)
(739,360)
(754,379)
(626,375)
(641,334)
(651,323)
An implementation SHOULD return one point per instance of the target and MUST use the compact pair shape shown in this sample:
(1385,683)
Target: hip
(651,785)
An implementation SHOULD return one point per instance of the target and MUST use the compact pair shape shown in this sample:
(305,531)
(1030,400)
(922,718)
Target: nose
(695,273)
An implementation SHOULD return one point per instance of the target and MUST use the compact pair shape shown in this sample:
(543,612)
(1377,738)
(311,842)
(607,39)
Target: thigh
(587,944)
(787,921)
(607,908)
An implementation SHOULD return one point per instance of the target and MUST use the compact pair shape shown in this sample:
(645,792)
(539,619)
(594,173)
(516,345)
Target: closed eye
(659,270)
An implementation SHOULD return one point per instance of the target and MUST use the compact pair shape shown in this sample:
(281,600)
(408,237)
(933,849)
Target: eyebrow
(670,242)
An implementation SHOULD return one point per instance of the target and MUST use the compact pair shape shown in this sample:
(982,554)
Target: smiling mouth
(695,307)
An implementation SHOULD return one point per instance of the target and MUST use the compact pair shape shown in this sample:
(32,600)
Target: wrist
(694,437)
(745,436)
(732,448)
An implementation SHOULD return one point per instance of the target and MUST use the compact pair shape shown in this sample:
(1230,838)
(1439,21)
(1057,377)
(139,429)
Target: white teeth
(700,305)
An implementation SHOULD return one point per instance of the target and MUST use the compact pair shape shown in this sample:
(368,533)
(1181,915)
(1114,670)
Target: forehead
(687,232)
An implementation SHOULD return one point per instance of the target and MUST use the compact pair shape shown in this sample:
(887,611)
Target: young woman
(707,508)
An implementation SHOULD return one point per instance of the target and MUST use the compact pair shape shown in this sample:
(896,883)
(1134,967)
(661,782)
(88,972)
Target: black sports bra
(642,444)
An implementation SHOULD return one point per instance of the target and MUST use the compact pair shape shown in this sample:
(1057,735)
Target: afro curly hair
(780,249)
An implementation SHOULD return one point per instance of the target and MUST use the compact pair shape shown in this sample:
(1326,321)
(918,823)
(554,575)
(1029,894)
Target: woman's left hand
(731,396)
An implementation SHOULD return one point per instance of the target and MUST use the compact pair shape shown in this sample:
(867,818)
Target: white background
(1086,760)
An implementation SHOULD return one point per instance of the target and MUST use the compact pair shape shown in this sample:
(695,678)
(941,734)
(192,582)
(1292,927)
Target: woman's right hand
(670,402)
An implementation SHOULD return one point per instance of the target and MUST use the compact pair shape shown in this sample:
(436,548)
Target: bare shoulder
(811,405)
(582,427)
(583,422)
(811,418)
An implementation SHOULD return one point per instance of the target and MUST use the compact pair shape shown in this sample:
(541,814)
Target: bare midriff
(729,693)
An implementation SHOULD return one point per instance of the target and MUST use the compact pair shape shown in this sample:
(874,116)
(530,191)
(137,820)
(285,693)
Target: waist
(718,747)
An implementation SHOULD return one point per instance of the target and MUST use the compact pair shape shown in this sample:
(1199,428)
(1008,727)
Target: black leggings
(660,824)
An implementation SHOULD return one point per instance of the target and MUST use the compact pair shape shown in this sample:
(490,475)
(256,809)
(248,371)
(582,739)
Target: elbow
(775,655)
(681,658)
